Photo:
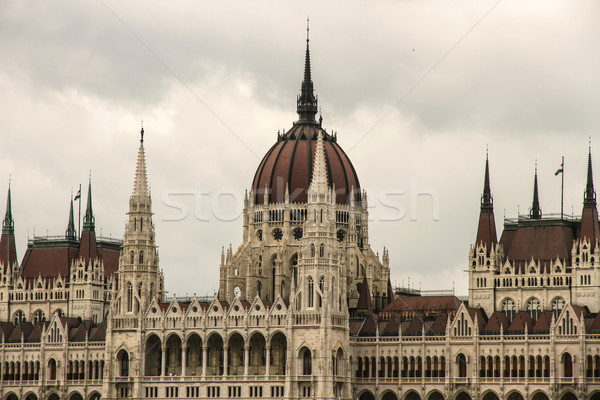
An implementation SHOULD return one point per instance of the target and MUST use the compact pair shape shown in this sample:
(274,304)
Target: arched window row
(78,370)
(406,367)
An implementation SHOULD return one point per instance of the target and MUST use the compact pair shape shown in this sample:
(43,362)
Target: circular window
(279,306)
(236,308)
(341,235)
(195,309)
(277,234)
(298,233)
(154,310)
(174,309)
(257,307)
(215,308)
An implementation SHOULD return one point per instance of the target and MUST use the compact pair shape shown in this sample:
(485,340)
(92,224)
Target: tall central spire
(307,102)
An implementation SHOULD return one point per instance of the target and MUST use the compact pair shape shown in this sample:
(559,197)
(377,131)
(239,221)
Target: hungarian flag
(560,170)
(78,195)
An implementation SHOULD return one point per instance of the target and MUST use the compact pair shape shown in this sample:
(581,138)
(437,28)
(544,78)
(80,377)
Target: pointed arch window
(321,287)
(132,257)
(322,250)
(141,256)
(129,297)
(141,224)
(508,307)
(311,292)
(307,362)
(557,305)
(312,250)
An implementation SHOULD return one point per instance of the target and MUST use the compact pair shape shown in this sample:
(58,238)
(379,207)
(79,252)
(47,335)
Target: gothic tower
(485,255)
(9,264)
(320,333)
(140,281)
(86,272)
(586,251)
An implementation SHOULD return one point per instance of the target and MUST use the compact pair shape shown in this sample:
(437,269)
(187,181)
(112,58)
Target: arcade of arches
(193,356)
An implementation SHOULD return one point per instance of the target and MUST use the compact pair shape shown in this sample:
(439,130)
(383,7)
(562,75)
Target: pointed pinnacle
(88,219)
(590,193)
(536,211)
(71,234)
(486,197)
(140,185)
(8,225)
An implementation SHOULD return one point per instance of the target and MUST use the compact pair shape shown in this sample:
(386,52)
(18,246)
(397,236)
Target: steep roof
(542,240)
(53,257)
(423,304)
(364,300)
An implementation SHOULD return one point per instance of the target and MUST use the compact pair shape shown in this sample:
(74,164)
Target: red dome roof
(289,164)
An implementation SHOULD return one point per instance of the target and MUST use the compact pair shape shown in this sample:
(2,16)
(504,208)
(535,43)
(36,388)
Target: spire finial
(71,234)
(8,225)
(536,211)
(88,219)
(307,29)
(487,201)
(590,193)
(307,102)
(142,132)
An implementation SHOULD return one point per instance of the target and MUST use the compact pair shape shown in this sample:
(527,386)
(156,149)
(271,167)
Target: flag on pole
(78,195)
(560,170)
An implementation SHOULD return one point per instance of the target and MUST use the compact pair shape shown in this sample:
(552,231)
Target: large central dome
(288,165)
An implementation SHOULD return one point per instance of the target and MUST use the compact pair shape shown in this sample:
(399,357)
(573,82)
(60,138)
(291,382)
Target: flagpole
(562,187)
(79,218)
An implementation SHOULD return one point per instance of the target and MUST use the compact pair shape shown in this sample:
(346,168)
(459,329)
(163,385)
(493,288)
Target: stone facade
(305,308)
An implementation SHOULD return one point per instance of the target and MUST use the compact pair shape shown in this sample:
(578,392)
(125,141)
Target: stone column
(183,359)
(246,359)
(268,361)
(204,359)
(163,360)
(225,359)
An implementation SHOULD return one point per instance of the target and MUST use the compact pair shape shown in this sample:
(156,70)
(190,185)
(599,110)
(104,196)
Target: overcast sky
(415,89)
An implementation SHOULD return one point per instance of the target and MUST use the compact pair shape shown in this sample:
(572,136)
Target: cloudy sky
(415,89)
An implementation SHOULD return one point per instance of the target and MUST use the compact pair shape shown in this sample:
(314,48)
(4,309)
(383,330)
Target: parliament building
(305,308)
